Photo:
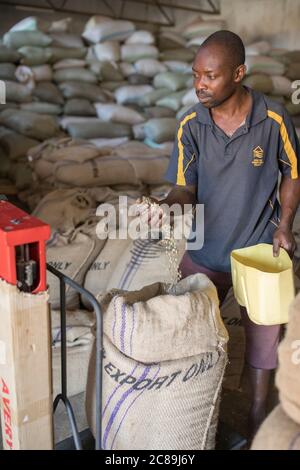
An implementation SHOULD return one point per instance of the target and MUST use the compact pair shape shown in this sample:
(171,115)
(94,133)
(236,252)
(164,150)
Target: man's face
(215,80)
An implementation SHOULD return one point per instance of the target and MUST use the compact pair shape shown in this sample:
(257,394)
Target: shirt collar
(258,111)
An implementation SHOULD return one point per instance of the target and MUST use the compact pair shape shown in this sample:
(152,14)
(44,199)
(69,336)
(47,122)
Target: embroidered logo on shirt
(258,156)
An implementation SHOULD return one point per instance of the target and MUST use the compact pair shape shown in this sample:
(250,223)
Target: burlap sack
(158,112)
(142,263)
(72,255)
(16,145)
(140,37)
(79,107)
(31,23)
(76,74)
(7,71)
(8,55)
(88,91)
(109,50)
(78,362)
(31,55)
(103,171)
(92,129)
(64,149)
(183,54)
(170,40)
(190,98)
(113,86)
(170,357)
(106,70)
(17,92)
(281,86)
(259,82)
(102,270)
(171,80)
(139,79)
(231,317)
(178,66)
(69,63)
(16,39)
(127,68)
(149,67)
(60,53)
(135,52)
(65,209)
(278,432)
(258,48)
(293,71)
(293,108)
(173,100)
(131,94)
(5,164)
(67,40)
(161,129)
(288,374)
(151,98)
(32,125)
(42,108)
(100,29)
(264,64)
(116,113)
(20,173)
(182,111)
(42,73)
(78,332)
(47,91)
(130,163)
(197,26)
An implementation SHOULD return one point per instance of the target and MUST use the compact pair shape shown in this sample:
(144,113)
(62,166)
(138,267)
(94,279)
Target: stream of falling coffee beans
(169,243)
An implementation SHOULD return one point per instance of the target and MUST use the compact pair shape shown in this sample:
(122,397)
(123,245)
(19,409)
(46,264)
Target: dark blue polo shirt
(236,177)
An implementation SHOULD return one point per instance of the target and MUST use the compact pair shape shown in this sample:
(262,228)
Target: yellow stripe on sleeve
(180,173)
(286,143)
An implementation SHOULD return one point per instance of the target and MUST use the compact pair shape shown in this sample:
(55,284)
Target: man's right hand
(151,215)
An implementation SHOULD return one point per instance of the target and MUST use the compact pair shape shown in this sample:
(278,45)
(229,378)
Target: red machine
(22,249)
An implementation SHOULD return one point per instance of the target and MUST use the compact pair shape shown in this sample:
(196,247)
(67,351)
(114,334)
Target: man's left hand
(283,238)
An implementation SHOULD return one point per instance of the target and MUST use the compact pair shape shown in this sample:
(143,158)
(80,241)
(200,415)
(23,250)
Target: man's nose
(200,85)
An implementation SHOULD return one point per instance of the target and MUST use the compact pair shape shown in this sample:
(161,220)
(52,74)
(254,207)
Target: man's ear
(240,73)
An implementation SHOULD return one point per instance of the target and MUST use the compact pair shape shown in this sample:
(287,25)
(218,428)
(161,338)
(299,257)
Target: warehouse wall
(277,20)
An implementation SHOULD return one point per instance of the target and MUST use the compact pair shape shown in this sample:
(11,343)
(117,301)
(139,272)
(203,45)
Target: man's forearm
(289,200)
(182,196)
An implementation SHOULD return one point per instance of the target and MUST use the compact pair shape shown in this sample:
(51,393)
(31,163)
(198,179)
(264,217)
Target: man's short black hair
(231,43)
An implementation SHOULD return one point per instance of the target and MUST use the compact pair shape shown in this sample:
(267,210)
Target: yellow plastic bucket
(262,283)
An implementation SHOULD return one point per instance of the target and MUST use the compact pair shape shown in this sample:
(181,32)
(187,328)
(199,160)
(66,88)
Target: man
(228,152)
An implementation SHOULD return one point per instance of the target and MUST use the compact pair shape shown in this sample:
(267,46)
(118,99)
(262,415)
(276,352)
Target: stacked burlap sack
(79,343)
(281,429)
(168,349)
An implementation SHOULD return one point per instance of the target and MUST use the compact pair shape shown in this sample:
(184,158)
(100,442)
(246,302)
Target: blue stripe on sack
(133,370)
(115,318)
(132,268)
(133,328)
(127,410)
(123,327)
(115,391)
(118,406)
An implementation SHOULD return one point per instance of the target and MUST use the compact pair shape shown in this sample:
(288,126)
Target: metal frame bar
(161,5)
(63,396)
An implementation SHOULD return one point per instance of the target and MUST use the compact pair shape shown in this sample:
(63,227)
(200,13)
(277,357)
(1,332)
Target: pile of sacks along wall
(91,117)
(112,84)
